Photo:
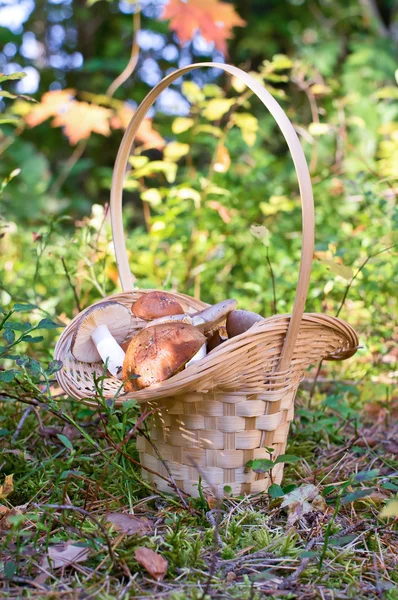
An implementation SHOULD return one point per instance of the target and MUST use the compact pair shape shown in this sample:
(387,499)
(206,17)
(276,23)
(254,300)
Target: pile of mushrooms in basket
(169,341)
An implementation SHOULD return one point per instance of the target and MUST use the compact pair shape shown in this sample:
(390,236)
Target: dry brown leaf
(64,555)
(153,562)
(212,18)
(145,134)
(7,487)
(50,105)
(81,119)
(129,524)
(301,501)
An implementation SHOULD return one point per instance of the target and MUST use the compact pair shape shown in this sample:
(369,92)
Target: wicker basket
(216,415)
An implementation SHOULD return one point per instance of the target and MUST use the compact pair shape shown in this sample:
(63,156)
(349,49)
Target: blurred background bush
(211,201)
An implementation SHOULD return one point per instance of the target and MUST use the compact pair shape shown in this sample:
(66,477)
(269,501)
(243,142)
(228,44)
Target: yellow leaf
(181,124)
(248,124)
(281,62)
(223,160)
(152,196)
(7,487)
(238,84)
(336,268)
(210,129)
(187,193)
(217,107)
(192,91)
(390,509)
(317,129)
(175,150)
(319,89)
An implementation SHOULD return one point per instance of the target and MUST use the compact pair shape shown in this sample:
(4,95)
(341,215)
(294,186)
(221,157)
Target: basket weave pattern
(218,414)
(210,419)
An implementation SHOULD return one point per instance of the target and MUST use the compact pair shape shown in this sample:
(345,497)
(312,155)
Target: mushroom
(154,305)
(98,335)
(217,337)
(239,321)
(158,352)
(206,320)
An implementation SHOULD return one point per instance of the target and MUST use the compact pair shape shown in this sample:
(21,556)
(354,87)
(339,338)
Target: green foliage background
(188,217)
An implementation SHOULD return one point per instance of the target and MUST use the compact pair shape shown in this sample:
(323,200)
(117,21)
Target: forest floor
(74,474)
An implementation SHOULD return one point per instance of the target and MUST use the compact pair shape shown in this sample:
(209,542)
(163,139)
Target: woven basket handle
(127,278)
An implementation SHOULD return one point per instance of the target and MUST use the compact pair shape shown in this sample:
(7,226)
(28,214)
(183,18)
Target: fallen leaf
(7,487)
(81,119)
(64,555)
(51,104)
(212,18)
(301,501)
(390,509)
(153,562)
(145,134)
(129,524)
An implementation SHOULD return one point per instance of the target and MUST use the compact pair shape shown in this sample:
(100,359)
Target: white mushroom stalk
(109,350)
(201,353)
(99,333)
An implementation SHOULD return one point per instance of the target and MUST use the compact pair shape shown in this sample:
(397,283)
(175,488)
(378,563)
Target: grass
(72,466)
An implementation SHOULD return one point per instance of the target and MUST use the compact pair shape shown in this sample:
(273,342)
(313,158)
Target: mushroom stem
(109,350)
(201,353)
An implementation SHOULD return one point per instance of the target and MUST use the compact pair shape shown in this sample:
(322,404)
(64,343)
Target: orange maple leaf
(212,18)
(81,119)
(51,104)
(146,134)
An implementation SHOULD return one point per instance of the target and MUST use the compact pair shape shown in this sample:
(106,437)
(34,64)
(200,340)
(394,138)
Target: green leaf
(9,120)
(33,340)
(342,541)
(6,94)
(66,441)
(357,495)
(12,76)
(9,336)
(366,475)
(227,489)
(48,324)
(287,458)
(275,491)
(10,568)
(17,326)
(390,486)
(24,307)
(8,376)
(53,367)
(260,465)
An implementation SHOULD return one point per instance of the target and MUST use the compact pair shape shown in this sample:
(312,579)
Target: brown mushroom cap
(158,352)
(239,321)
(154,305)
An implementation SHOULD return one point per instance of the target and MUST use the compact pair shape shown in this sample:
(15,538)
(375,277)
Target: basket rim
(275,325)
